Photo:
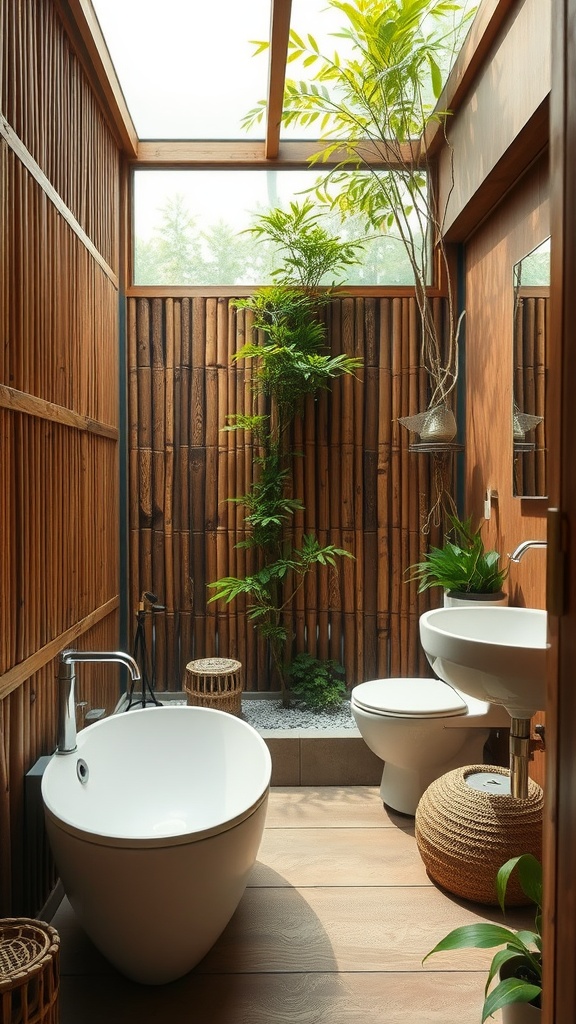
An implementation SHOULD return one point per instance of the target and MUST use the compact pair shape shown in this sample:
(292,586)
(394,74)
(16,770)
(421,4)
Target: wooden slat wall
(59,402)
(361,488)
(519,225)
(48,103)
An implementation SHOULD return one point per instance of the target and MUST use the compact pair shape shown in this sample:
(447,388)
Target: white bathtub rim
(153,842)
(144,840)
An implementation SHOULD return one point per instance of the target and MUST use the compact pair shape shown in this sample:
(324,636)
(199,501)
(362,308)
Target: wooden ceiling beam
(227,154)
(279,34)
(82,25)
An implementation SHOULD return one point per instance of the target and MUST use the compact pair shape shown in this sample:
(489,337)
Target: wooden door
(560,822)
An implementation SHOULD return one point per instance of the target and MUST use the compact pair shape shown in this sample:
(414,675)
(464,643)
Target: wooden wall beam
(30,405)
(214,155)
(15,676)
(146,291)
(26,158)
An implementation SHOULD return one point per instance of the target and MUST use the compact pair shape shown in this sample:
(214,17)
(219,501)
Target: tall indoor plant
(518,965)
(291,361)
(373,106)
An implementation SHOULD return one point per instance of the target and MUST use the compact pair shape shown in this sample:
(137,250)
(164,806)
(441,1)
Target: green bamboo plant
(373,106)
(290,362)
(525,984)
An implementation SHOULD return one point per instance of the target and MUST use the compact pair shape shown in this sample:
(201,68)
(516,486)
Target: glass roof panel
(325,23)
(185,66)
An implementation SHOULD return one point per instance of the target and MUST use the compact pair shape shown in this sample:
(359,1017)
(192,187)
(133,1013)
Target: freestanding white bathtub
(155,823)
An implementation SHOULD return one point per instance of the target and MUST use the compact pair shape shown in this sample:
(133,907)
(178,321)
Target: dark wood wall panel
(59,408)
(361,488)
(520,223)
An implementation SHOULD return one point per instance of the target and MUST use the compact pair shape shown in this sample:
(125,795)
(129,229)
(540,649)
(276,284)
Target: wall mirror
(531,325)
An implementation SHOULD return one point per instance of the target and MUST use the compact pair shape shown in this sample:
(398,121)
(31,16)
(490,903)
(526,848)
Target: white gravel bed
(269,714)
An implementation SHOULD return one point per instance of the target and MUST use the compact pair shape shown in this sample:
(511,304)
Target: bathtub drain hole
(82,770)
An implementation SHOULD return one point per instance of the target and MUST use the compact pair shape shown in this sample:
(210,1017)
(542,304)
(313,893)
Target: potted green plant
(465,570)
(518,965)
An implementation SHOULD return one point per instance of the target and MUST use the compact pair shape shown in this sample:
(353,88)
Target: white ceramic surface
(419,748)
(495,654)
(155,848)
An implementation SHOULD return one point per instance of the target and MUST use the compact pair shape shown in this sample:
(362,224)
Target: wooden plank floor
(331,930)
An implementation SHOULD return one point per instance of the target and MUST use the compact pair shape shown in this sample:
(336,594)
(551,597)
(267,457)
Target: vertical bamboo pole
(167,681)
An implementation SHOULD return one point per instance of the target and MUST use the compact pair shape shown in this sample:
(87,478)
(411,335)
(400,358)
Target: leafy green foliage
(260,587)
(290,364)
(319,684)
(268,507)
(309,253)
(461,565)
(526,985)
(372,107)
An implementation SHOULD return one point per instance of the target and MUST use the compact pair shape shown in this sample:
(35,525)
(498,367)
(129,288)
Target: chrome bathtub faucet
(67,690)
(523,548)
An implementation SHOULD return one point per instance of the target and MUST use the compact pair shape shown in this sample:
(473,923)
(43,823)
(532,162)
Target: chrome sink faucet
(523,547)
(67,690)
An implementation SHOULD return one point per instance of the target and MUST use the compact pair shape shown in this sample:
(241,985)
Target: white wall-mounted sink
(492,653)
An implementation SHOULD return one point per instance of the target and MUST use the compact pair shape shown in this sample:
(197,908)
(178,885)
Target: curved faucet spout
(67,690)
(522,548)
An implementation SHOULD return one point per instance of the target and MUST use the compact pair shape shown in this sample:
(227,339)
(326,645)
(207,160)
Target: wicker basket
(464,835)
(29,971)
(215,683)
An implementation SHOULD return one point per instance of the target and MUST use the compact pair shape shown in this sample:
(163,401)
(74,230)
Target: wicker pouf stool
(215,683)
(465,835)
(29,971)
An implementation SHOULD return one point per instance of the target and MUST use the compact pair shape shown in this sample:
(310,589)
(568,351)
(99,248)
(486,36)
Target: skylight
(185,67)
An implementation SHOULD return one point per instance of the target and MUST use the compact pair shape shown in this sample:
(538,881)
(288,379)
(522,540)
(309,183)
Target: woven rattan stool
(464,835)
(215,683)
(29,971)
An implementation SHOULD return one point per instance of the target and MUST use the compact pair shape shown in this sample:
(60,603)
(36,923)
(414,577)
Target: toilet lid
(409,698)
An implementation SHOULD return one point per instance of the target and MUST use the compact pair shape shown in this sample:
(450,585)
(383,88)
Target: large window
(190,229)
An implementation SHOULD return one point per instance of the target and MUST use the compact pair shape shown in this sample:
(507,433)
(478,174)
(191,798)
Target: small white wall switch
(490,499)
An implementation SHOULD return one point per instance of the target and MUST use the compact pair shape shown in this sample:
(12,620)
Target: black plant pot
(455,598)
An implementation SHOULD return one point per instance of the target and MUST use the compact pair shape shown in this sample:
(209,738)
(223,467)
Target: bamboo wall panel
(62,513)
(59,407)
(28,723)
(46,99)
(61,310)
(361,488)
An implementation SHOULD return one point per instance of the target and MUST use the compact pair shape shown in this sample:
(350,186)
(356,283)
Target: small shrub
(319,684)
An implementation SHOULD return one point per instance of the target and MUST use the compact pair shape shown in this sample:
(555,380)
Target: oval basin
(493,653)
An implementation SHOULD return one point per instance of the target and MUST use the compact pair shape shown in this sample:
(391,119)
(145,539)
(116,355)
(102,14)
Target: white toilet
(421,729)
